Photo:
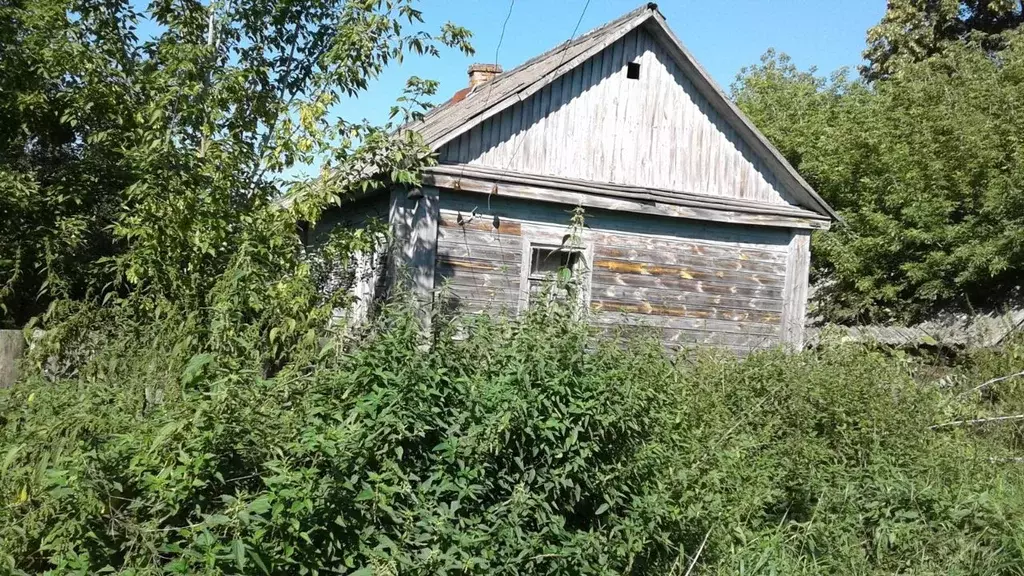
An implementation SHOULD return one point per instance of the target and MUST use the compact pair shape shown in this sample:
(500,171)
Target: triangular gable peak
(576,113)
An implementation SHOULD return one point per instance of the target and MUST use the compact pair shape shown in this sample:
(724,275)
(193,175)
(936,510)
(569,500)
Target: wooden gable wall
(596,124)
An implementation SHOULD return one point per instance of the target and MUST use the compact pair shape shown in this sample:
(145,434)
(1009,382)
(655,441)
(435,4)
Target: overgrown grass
(533,447)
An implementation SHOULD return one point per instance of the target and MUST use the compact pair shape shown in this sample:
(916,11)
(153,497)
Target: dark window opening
(633,70)
(546,261)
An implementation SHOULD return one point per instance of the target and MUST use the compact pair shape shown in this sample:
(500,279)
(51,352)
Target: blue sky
(724,35)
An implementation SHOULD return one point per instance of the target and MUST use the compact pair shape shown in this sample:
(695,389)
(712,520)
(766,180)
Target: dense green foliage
(528,447)
(193,409)
(913,30)
(926,167)
(134,160)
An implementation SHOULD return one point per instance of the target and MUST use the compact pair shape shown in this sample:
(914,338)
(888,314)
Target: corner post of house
(794,304)
(413,215)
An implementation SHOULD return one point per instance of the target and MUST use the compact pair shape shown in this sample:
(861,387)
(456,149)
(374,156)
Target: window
(633,70)
(557,272)
(544,261)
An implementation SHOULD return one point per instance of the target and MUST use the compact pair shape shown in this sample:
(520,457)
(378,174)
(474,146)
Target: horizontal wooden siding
(693,283)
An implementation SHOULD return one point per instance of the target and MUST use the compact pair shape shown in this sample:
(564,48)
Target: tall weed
(531,446)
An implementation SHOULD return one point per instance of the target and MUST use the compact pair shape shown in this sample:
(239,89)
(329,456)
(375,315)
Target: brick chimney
(481,73)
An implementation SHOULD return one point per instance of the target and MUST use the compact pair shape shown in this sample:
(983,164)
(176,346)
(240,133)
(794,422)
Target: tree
(925,167)
(913,30)
(64,106)
(144,162)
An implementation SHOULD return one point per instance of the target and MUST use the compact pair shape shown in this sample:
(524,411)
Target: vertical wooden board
(556,124)
(652,108)
(505,130)
(795,292)
(414,233)
(502,149)
(633,92)
(570,130)
(589,106)
(464,149)
(593,124)
(12,347)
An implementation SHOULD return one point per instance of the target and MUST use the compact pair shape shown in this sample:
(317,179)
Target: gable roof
(456,117)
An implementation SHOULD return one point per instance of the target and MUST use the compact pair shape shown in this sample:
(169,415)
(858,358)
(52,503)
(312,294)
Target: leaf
(601,509)
(164,433)
(259,505)
(194,368)
(9,457)
(238,548)
(257,560)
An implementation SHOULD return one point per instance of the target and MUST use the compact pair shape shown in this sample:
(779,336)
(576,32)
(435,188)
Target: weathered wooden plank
(795,294)
(591,200)
(671,255)
(478,275)
(714,325)
(497,291)
(475,136)
(473,269)
(472,237)
(624,190)
(678,337)
(471,306)
(605,318)
(474,266)
(458,250)
(414,225)
(600,304)
(690,273)
(12,346)
(714,249)
(478,293)
(773,242)
(478,223)
(661,296)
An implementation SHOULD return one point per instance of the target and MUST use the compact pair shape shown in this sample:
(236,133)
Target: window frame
(547,237)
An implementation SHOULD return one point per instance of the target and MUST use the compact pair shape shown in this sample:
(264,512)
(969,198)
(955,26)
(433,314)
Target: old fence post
(12,346)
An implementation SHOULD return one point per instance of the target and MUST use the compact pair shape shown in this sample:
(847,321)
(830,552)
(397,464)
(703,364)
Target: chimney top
(481,73)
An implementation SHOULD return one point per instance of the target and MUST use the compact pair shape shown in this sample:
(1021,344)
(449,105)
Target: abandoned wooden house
(694,223)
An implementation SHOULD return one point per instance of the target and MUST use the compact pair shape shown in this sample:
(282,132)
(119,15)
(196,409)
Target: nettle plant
(525,446)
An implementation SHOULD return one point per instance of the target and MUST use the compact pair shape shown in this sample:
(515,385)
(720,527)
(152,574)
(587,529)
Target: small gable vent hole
(633,70)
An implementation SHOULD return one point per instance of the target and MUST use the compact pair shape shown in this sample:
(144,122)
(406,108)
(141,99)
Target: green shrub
(926,168)
(526,447)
